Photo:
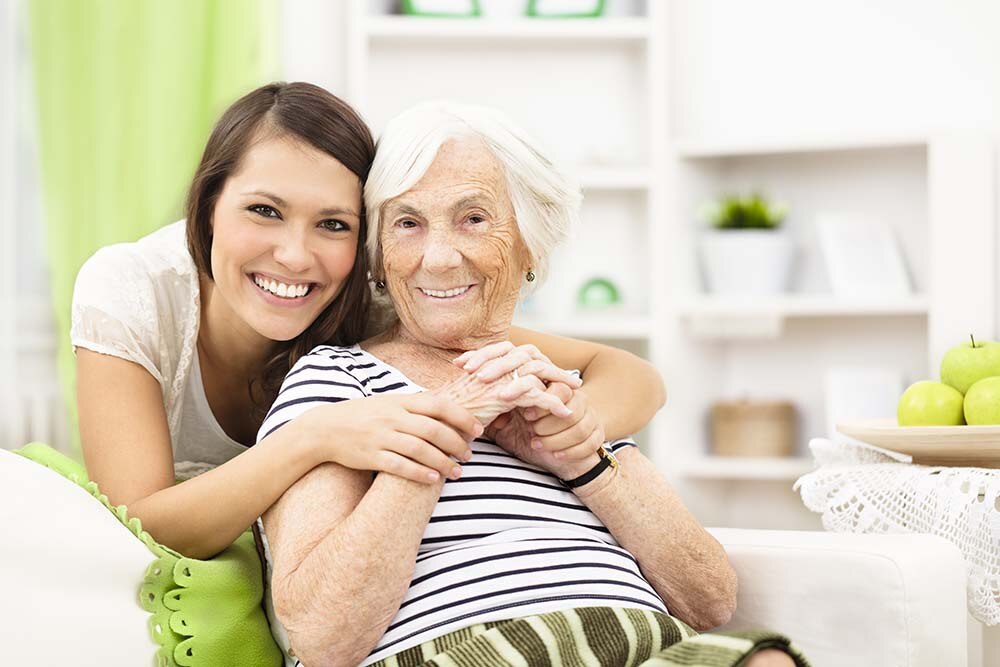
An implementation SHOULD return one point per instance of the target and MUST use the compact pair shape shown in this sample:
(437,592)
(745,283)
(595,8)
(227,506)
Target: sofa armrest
(70,574)
(848,599)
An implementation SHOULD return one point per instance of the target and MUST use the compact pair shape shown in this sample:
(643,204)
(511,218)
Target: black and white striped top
(506,540)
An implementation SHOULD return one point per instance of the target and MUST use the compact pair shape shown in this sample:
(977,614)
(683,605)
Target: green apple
(928,403)
(967,363)
(982,403)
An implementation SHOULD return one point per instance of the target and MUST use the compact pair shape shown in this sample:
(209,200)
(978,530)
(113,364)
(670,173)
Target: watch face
(606,453)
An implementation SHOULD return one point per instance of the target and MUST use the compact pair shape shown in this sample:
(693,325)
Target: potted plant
(746,251)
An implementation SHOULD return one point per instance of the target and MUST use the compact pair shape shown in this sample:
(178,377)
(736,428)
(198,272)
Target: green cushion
(205,613)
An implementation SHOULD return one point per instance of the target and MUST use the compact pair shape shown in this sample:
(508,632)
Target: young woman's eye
(334,226)
(263,210)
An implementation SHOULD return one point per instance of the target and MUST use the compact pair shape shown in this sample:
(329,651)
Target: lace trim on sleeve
(97,331)
(114,310)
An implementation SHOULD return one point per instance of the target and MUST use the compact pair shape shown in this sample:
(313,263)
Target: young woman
(182,337)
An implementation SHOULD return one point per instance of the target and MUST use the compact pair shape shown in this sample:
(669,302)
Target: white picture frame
(862,257)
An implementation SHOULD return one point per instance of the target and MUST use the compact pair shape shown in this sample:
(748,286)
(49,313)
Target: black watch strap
(608,460)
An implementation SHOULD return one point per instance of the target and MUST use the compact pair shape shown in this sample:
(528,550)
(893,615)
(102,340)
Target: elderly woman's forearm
(624,390)
(686,565)
(340,599)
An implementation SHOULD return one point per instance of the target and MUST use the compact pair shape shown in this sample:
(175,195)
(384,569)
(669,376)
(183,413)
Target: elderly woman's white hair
(546,203)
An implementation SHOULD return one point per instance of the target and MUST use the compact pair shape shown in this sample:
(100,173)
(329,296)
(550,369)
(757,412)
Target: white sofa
(864,600)
(875,601)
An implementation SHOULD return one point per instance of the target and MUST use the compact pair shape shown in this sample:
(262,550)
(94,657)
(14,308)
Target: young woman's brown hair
(318,118)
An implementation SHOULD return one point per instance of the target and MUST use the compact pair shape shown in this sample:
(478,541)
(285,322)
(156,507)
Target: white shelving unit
(616,328)
(747,468)
(405,28)
(805,306)
(934,191)
(597,93)
(612,178)
(729,318)
(692,149)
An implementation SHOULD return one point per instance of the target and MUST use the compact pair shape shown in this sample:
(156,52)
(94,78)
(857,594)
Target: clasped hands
(538,414)
(531,408)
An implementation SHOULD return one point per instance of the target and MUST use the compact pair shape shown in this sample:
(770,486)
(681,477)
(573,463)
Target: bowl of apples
(954,422)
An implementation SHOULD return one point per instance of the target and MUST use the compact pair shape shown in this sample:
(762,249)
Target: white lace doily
(863,489)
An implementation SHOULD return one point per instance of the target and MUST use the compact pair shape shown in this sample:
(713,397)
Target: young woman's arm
(624,390)
(126,446)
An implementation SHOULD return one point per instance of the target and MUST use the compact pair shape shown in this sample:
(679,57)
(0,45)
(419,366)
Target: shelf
(803,306)
(600,29)
(737,468)
(726,318)
(695,149)
(613,178)
(603,327)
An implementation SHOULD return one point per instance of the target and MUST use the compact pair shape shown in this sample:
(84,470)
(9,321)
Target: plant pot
(747,261)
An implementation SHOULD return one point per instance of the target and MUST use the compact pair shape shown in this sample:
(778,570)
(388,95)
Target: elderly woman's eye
(406,224)
(263,210)
(476,219)
(334,226)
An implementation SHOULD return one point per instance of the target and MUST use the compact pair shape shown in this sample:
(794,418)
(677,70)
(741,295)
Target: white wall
(314,43)
(786,67)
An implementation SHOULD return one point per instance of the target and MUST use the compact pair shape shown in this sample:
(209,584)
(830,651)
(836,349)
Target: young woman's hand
(416,436)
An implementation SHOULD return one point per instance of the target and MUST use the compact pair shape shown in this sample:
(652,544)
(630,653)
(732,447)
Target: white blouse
(141,302)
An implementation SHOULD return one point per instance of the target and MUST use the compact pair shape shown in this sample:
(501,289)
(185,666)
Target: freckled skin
(454,228)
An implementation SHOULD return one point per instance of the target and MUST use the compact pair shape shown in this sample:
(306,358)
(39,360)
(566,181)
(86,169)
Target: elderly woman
(531,557)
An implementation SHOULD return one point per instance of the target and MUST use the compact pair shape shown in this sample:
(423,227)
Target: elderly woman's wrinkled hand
(502,377)
(568,438)
(565,446)
(547,438)
(488,399)
(492,362)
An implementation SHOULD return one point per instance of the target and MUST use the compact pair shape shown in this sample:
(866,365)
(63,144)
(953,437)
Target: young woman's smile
(283,292)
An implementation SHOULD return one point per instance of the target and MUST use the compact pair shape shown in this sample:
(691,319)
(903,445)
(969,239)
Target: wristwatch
(608,460)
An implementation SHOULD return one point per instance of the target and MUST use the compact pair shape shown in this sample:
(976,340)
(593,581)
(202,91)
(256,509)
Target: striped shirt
(506,539)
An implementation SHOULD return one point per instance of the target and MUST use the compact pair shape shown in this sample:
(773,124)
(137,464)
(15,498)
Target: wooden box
(753,428)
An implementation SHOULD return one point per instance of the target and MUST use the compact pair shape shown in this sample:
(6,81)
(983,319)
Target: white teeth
(281,289)
(442,294)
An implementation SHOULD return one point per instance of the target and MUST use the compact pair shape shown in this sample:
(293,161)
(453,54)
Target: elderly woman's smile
(446,293)
(453,259)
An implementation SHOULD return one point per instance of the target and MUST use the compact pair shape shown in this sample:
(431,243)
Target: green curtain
(126,94)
